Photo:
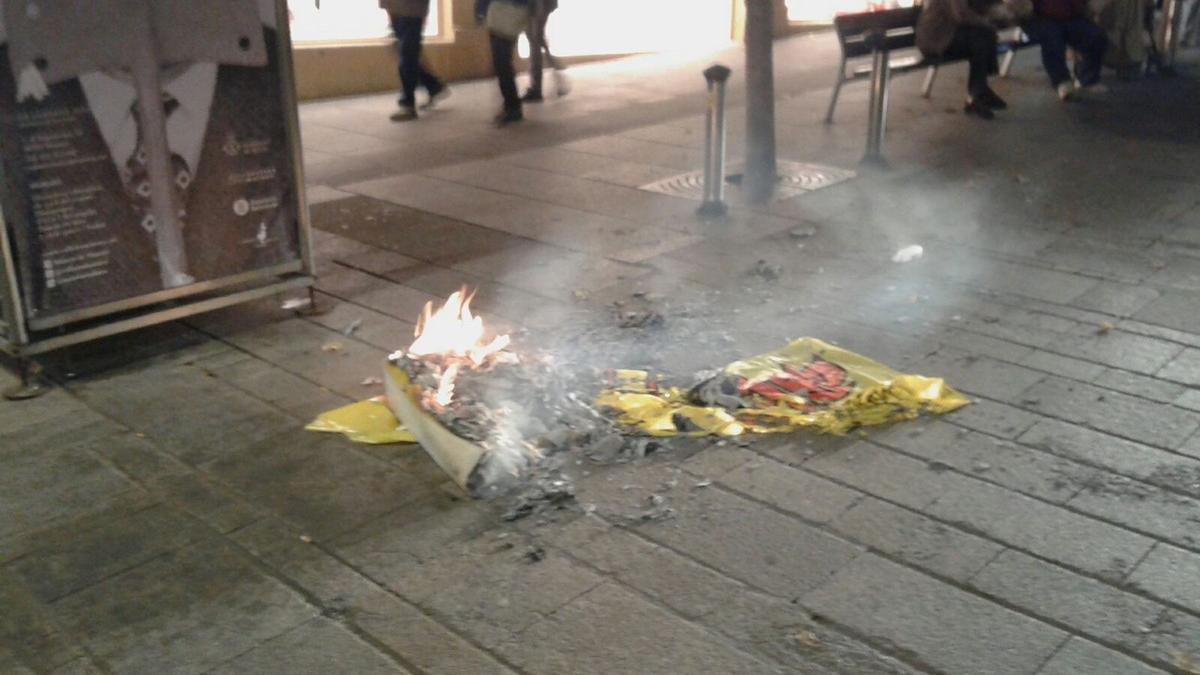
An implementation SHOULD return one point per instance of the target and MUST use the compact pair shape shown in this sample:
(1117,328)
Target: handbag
(507,19)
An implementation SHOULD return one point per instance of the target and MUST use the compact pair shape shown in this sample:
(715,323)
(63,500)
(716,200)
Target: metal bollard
(714,142)
(877,113)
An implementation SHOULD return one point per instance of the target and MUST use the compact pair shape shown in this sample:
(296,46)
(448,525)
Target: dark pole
(760,175)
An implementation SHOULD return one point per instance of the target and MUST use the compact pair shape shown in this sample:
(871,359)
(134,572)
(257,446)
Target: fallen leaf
(807,638)
(332,347)
(1105,328)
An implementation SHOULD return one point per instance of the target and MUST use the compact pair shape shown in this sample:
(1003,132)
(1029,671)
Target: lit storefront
(346,21)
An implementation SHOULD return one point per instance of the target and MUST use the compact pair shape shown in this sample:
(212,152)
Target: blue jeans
(1085,37)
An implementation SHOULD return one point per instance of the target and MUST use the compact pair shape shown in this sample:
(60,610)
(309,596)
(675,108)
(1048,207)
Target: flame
(454,337)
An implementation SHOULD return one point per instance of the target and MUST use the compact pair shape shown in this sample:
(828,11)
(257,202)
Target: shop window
(824,10)
(589,27)
(347,21)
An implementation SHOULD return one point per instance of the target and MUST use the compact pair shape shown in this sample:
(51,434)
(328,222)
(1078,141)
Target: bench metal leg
(837,89)
(1006,62)
(930,76)
(877,115)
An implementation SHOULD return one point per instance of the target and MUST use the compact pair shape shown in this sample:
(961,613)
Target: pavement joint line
(322,609)
(973,591)
(848,631)
(661,604)
(1057,650)
(962,527)
(273,404)
(432,616)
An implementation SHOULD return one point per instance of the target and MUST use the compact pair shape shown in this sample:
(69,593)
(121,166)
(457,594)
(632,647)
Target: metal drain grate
(795,178)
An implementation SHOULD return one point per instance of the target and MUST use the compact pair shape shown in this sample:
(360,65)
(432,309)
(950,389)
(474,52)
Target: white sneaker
(1066,91)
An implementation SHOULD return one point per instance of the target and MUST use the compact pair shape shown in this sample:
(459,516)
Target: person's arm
(963,15)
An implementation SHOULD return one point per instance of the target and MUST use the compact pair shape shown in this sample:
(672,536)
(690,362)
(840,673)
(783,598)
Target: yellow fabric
(870,394)
(369,421)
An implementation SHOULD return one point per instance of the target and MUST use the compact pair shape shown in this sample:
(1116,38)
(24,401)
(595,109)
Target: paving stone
(994,418)
(890,604)
(45,484)
(135,456)
(1171,574)
(1185,369)
(86,551)
(320,483)
(811,498)
(1044,530)
(981,376)
(583,637)
(1159,467)
(1063,366)
(991,459)
(84,666)
(915,539)
(425,643)
(1080,656)
(1143,507)
(1175,309)
(1085,605)
(29,640)
(201,497)
(317,647)
(185,611)
(1116,298)
(1139,385)
(1192,446)
(885,473)
(717,461)
(1175,640)
(1126,416)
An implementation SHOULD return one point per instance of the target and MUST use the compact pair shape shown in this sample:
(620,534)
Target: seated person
(953,29)
(1058,24)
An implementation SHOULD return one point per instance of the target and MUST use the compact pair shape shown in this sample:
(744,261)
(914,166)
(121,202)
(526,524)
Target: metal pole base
(876,162)
(31,385)
(713,210)
(313,308)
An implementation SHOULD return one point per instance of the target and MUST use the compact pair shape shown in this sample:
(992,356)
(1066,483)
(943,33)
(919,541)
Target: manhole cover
(795,178)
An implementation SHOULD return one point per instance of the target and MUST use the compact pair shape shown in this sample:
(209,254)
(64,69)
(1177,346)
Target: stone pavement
(164,512)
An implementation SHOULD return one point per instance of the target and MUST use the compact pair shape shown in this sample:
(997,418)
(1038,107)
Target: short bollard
(877,113)
(714,142)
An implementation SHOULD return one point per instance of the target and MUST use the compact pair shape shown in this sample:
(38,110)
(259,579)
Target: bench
(895,30)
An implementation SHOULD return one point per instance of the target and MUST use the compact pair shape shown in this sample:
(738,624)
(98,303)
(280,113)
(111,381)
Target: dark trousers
(408,31)
(1085,37)
(502,63)
(978,46)
(537,45)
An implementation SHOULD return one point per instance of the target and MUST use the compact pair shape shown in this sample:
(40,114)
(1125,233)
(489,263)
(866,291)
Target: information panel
(144,147)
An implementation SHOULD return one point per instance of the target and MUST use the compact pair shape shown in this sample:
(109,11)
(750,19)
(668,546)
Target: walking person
(505,21)
(1058,24)
(952,29)
(538,45)
(408,25)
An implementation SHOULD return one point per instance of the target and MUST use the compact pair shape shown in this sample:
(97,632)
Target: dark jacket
(1060,10)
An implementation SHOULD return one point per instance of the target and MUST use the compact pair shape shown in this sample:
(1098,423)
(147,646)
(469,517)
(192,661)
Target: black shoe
(507,117)
(406,113)
(978,109)
(992,100)
(532,96)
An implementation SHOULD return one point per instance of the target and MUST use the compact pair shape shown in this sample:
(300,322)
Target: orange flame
(456,337)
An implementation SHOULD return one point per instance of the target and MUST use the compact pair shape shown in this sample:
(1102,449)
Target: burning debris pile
(505,413)
(499,422)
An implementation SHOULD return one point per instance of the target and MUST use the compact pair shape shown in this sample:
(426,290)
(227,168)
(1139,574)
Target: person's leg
(408,43)
(1089,41)
(537,39)
(1051,35)
(502,63)
(981,48)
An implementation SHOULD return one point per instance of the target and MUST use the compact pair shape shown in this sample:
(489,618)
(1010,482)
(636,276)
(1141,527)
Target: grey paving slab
(586,637)
(1146,508)
(1085,605)
(1139,385)
(1081,656)
(318,646)
(186,611)
(30,642)
(1175,309)
(915,539)
(997,419)
(810,497)
(894,605)
(1175,640)
(885,473)
(1048,531)
(1156,424)
(1170,573)
(1063,366)
(589,166)
(1136,460)
(1184,369)
(317,482)
(1116,298)
(991,459)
